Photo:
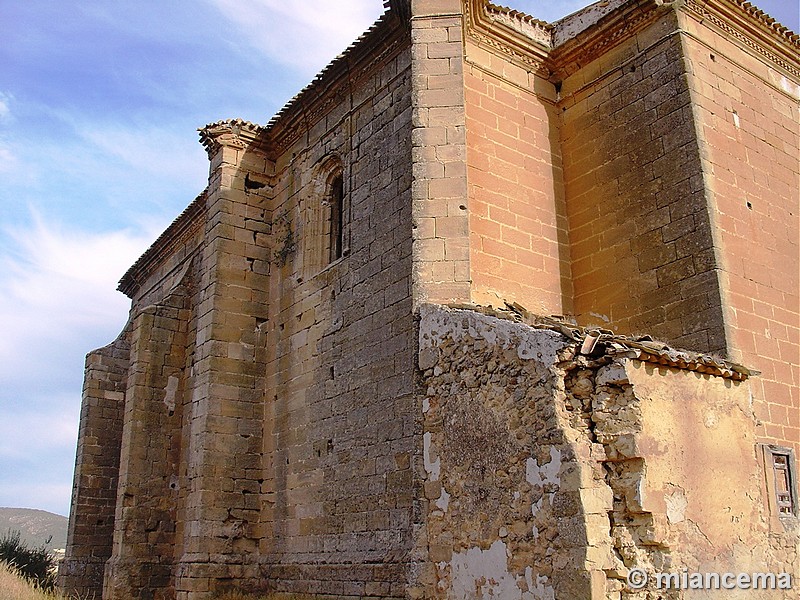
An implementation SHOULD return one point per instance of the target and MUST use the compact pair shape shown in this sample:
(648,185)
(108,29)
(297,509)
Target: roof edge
(183,226)
(595,343)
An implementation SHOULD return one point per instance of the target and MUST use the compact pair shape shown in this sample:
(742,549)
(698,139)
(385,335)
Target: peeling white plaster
(531,471)
(539,590)
(548,473)
(480,573)
(612,374)
(431,466)
(438,322)
(172,389)
(444,501)
(676,506)
(542,348)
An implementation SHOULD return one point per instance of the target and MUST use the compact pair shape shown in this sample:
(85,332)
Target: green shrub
(38,565)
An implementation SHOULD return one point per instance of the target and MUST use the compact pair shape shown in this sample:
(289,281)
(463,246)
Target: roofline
(281,130)
(183,226)
(357,61)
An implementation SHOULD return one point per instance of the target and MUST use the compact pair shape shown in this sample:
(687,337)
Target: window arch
(335,199)
(326,215)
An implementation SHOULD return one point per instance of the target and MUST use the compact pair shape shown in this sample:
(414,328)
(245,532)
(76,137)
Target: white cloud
(24,436)
(58,291)
(305,34)
(5,110)
(8,162)
(39,495)
(57,302)
(153,150)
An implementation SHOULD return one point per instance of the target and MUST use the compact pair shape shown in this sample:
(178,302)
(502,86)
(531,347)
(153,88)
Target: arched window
(324,232)
(336,218)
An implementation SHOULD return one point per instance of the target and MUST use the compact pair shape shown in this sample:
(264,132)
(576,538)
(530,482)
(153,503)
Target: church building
(492,308)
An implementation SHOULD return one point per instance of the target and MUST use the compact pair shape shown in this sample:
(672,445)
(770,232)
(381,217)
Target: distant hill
(35,526)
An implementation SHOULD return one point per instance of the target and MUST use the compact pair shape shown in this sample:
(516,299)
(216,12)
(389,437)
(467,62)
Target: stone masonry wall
(148,487)
(518,226)
(640,237)
(439,190)
(221,435)
(746,110)
(552,474)
(94,492)
(337,490)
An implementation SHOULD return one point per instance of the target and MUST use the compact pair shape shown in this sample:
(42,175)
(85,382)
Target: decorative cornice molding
(231,133)
(521,37)
(610,30)
(532,44)
(752,28)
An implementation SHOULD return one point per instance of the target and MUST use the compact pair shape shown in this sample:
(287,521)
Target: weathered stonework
(294,409)
(551,474)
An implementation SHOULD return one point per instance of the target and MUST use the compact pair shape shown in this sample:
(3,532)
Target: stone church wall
(337,486)
(94,494)
(293,409)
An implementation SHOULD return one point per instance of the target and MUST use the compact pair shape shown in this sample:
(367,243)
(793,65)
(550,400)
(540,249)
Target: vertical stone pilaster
(439,189)
(149,480)
(220,535)
(94,493)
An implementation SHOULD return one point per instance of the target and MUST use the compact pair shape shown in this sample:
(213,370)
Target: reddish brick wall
(518,226)
(747,116)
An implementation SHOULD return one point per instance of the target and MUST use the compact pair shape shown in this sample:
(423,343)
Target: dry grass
(15,588)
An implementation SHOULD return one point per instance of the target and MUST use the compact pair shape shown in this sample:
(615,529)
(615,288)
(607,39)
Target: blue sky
(99,103)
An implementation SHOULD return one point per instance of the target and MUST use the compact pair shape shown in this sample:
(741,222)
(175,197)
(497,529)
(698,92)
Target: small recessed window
(782,472)
(336,201)
(781,476)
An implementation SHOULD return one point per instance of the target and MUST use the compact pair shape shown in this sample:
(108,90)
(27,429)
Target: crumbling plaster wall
(550,474)
(502,474)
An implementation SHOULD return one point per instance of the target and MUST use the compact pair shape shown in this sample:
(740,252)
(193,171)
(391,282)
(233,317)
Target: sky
(99,106)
